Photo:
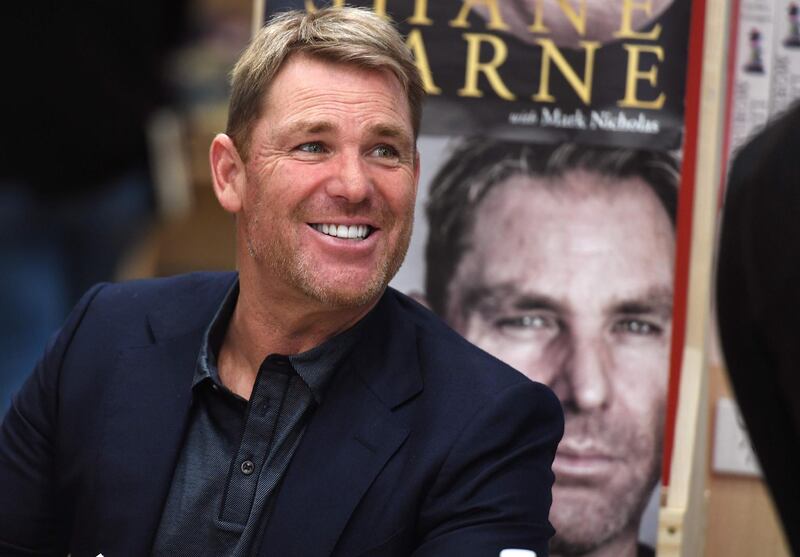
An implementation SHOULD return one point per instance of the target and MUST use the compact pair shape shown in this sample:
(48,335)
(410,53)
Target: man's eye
(385,151)
(637,327)
(312,147)
(521,322)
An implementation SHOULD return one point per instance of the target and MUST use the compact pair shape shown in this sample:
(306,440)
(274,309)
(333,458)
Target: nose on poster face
(583,380)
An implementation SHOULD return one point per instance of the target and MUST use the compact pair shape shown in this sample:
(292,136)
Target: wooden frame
(683,513)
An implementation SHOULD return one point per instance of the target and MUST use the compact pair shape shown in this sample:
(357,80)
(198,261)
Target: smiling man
(298,407)
(559,260)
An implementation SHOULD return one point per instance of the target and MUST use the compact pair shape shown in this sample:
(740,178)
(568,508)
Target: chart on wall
(765,81)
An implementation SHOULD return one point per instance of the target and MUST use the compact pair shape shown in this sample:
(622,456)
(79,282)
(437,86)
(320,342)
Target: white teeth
(352,232)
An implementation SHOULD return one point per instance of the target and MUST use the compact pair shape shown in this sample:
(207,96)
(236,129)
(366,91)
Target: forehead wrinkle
(513,294)
(305,98)
(656,299)
(308,126)
(382,129)
(509,295)
(309,103)
(330,111)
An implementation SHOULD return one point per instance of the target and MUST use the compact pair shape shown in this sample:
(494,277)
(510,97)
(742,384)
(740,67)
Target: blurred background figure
(79,184)
(758,298)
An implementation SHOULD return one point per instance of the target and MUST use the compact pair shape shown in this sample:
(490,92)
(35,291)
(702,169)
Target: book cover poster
(559,259)
(545,224)
(594,71)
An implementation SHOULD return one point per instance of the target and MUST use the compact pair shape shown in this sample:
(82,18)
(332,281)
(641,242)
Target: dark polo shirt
(236,452)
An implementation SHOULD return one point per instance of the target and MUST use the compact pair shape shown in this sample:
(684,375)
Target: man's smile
(350,232)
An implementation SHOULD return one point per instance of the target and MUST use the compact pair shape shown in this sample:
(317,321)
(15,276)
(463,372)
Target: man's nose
(583,381)
(351,181)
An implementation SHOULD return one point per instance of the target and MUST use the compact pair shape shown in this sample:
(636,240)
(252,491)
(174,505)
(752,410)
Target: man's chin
(569,542)
(561,547)
(345,289)
(344,298)
(586,523)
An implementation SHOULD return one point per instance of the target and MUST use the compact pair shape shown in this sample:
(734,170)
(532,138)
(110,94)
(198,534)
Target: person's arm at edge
(30,522)
(494,491)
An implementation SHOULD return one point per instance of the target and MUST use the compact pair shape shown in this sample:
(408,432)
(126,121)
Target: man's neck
(264,324)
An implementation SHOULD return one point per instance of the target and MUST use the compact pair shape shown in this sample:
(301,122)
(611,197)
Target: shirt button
(248,467)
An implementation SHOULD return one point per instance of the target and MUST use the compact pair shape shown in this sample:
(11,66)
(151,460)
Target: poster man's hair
(341,35)
(480,164)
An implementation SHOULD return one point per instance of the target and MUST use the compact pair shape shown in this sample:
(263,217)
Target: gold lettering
(626,24)
(312,8)
(489,69)
(576,18)
(582,88)
(634,75)
(420,16)
(495,21)
(416,45)
(379,7)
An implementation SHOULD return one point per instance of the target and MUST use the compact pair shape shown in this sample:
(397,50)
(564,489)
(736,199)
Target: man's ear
(227,173)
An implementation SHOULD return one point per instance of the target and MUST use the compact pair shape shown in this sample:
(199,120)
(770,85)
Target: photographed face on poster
(602,18)
(569,280)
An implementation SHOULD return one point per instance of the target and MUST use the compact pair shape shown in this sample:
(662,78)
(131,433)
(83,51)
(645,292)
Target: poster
(765,67)
(545,226)
(785,86)
(753,70)
(546,70)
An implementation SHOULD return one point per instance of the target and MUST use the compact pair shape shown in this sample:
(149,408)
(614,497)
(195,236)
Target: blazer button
(248,467)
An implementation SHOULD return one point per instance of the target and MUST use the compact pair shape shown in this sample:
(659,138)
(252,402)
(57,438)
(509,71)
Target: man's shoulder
(447,357)
(170,305)
(144,295)
(179,288)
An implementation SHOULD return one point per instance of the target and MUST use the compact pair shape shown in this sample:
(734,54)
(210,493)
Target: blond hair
(345,35)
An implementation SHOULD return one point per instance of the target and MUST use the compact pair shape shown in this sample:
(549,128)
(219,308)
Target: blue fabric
(423,444)
(216,504)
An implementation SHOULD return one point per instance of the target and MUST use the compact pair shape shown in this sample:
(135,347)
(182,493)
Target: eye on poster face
(545,225)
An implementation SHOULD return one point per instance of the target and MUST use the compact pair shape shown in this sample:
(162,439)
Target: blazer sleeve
(32,520)
(494,489)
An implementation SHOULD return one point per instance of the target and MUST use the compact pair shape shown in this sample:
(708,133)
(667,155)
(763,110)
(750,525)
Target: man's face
(331,182)
(570,281)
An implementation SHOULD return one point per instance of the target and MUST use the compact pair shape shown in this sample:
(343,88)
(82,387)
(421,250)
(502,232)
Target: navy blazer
(423,445)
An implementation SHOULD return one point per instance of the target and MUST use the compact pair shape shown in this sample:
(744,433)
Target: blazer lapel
(349,440)
(146,414)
